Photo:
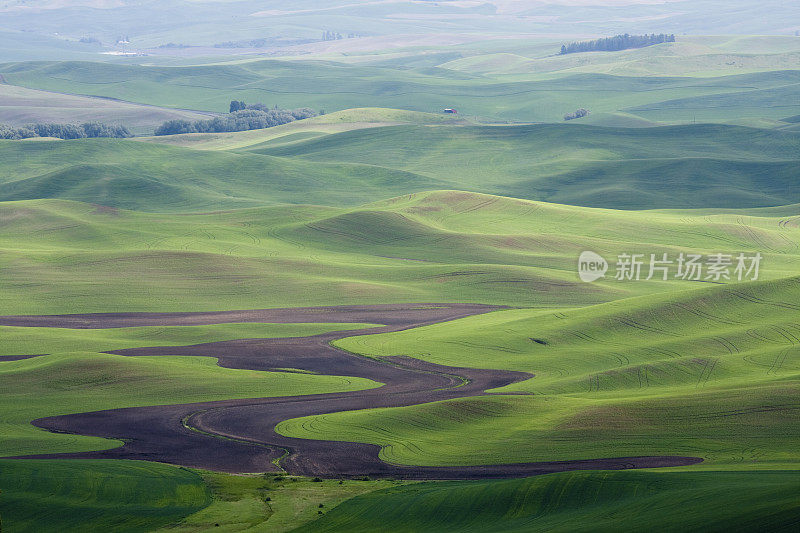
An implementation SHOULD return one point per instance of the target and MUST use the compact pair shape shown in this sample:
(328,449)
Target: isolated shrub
(303,112)
(580,113)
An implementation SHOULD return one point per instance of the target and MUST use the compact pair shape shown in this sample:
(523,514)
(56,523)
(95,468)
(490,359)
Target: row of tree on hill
(242,117)
(335,36)
(88,130)
(618,42)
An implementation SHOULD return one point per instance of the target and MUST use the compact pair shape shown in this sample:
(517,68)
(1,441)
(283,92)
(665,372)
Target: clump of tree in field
(237,105)
(580,113)
(242,117)
(331,36)
(618,42)
(336,36)
(88,130)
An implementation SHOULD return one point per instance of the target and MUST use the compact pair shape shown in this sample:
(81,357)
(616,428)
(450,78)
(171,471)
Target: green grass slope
(336,86)
(326,162)
(578,501)
(336,122)
(709,372)
(274,502)
(152,177)
(688,56)
(55,253)
(442,246)
(78,496)
(24,46)
(454,226)
(22,106)
(76,377)
(631,168)
(772,103)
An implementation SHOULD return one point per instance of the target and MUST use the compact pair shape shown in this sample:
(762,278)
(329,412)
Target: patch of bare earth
(239,435)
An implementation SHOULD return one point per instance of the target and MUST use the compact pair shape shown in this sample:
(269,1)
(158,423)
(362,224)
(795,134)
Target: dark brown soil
(17,357)
(239,435)
(401,315)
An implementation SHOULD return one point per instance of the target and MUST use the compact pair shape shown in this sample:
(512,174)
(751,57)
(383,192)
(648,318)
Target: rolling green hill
(347,159)
(690,147)
(55,252)
(96,495)
(23,46)
(75,376)
(336,122)
(688,369)
(690,56)
(398,23)
(441,246)
(547,141)
(633,168)
(152,177)
(20,106)
(772,103)
(332,86)
(578,501)
(662,368)
(706,371)
(711,373)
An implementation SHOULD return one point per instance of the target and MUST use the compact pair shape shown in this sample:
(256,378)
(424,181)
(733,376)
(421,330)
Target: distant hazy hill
(522,97)
(148,23)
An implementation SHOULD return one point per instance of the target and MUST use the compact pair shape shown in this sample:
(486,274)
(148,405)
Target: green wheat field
(691,147)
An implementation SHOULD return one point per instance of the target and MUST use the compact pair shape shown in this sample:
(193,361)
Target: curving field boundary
(239,435)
